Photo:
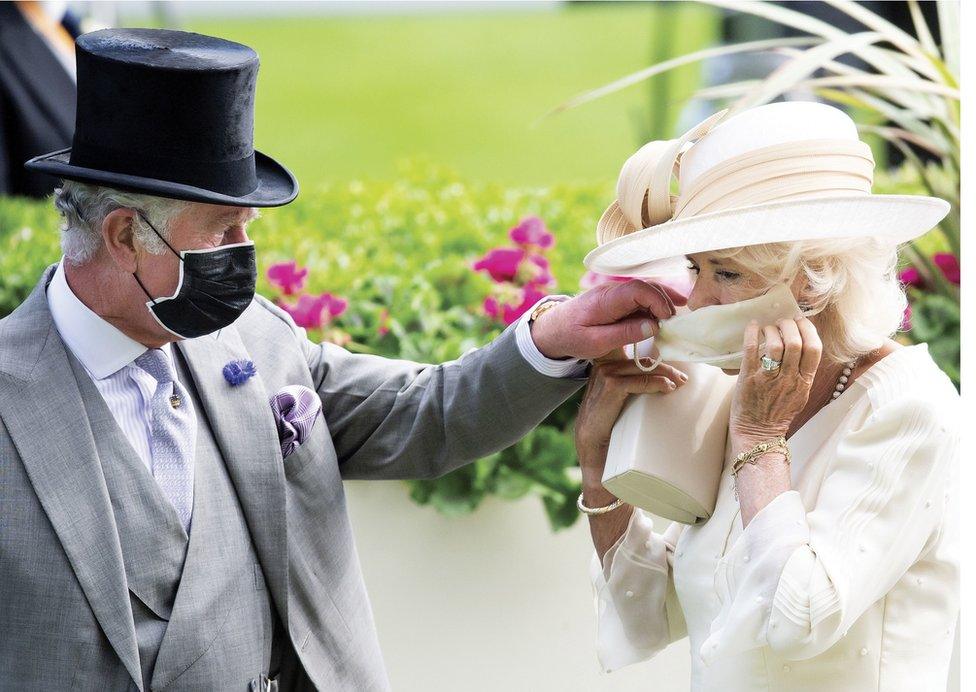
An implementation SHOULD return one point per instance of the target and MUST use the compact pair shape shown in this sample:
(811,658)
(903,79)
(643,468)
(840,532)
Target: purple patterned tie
(295,409)
(173,434)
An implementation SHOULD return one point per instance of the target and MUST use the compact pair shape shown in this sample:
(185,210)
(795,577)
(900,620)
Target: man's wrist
(540,328)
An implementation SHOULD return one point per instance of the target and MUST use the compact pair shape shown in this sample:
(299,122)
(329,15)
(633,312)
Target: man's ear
(118,236)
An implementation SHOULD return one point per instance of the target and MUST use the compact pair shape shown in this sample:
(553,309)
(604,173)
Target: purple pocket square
(295,409)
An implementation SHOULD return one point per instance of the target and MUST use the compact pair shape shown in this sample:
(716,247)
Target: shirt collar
(100,346)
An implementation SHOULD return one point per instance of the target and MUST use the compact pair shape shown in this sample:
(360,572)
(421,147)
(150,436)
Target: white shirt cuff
(570,367)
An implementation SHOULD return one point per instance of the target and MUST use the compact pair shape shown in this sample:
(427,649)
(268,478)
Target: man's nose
(237,235)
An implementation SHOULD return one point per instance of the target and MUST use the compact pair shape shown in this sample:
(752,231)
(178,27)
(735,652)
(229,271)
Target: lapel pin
(239,371)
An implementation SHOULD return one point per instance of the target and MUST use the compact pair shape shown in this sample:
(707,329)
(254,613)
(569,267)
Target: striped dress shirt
(108,356)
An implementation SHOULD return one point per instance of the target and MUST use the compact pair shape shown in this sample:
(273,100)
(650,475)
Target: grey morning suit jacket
(64,600)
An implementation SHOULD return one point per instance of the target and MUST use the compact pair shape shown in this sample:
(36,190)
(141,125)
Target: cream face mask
(713,334)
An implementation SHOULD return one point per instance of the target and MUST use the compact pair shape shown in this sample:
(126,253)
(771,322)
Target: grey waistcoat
(203,618)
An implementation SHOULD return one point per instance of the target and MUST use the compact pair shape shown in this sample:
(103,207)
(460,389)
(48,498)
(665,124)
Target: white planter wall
(489,602)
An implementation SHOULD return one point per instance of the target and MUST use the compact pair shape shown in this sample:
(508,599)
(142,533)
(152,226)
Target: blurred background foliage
(420,141)
(401,252)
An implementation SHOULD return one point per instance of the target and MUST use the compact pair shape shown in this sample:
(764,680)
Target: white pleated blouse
(849,581)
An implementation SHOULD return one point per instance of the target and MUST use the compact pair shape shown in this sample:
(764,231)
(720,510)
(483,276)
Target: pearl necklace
(842,381)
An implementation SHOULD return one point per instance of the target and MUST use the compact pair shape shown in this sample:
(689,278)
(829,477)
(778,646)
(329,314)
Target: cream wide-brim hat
(780,172)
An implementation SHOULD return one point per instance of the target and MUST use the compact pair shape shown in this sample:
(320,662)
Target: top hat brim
(276,184)
(662,249)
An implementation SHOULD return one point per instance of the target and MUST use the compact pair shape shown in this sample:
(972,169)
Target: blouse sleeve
(637,607)
(795,580)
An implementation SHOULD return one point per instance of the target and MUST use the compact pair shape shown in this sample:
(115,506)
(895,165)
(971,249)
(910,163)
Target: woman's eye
(727,275)
(693,268)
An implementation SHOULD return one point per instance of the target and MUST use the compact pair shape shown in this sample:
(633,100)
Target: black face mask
(216,286)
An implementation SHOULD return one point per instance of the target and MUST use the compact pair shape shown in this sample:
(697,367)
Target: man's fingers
(623,300)
(624,332)
(676,296)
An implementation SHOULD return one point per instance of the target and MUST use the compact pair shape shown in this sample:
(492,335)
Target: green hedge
(401,253)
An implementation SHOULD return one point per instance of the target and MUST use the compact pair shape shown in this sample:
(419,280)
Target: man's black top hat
(169,113)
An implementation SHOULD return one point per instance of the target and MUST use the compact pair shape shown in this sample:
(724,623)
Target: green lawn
(348,97)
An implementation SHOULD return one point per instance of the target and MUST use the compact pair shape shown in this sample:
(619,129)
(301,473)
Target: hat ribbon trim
(792,170)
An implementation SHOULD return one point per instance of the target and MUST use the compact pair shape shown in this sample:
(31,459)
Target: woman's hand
(766,402)
(611,382)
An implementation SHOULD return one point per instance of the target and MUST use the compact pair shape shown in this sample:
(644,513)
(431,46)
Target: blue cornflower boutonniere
(239,371)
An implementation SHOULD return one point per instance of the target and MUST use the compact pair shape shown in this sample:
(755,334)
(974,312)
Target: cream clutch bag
(667,451)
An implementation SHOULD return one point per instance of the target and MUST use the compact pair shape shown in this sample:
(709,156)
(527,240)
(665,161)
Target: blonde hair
(851,282)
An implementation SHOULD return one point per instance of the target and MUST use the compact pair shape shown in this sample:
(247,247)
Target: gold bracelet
(593,511)
(752,456)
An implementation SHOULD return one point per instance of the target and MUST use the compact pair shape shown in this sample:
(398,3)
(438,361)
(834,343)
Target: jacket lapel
(244,429)
(42,408)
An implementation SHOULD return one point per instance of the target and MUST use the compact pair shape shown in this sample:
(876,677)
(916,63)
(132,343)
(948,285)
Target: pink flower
(949,264)
(910,277)
(509,310)
(383,327)
(535,271)
(530,296)
(335,305)
(501,263)
(532,231)
(491,307)
(287,276)
(307,312)
(906,319)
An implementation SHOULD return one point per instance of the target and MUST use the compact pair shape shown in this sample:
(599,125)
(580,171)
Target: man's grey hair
(83,208)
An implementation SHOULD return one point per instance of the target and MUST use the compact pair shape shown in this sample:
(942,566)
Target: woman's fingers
(774,342)
(646,383)
(750,347)
(812,347)
(792,343)
(627,367)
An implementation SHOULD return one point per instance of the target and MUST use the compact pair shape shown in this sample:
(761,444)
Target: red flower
(501,263)
(949,265)
(532,231)
(287,276)
(383,327)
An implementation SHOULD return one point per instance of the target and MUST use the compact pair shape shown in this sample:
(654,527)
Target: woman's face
(720,281)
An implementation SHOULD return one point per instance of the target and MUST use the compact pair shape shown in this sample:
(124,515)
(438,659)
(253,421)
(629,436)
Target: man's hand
(604,318)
